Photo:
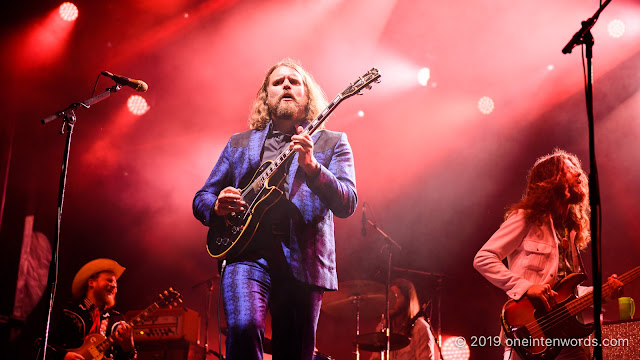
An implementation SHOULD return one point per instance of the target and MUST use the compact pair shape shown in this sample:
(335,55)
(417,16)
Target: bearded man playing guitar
(94,288)
(541,238)
(290,260)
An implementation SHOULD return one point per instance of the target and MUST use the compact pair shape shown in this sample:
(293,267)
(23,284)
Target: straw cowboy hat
(78,287)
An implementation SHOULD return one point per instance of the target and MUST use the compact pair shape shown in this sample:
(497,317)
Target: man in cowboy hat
(94,290)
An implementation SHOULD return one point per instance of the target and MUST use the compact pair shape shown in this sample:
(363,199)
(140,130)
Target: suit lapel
(256,142)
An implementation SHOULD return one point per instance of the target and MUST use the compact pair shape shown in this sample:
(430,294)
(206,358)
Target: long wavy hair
(260,117)
(409,310)
(546,195)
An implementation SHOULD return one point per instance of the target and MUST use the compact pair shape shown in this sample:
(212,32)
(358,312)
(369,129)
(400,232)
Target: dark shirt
(275,143)
(70,327)
(275,223)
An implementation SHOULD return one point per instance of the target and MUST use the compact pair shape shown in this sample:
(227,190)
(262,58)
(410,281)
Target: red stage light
(424,75)
(68,11)
(137,105)
(485,105)
(616,28)
(455,348)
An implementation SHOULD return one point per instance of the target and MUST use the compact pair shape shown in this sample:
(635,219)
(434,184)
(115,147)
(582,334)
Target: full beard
(284,109)
(576,196)
(107,300)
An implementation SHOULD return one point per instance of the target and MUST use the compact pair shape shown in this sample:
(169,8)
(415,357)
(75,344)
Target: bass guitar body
(531,329)
(230,235)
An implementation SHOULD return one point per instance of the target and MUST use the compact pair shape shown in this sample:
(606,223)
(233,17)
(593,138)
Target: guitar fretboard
(138,319)
(313,126)
(586,300)
(353,89)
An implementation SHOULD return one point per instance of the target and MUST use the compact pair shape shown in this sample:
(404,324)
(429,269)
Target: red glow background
(436,172)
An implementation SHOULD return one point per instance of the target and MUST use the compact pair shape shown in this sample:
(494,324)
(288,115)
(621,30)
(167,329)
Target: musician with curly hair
(290,260)
(541,237)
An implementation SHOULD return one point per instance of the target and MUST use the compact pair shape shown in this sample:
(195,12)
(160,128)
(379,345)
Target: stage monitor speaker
(169,350)
(623,340)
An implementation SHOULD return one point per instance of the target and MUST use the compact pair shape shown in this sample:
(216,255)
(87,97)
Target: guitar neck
(363,82)
(576,306)
(137,320)
(287,152)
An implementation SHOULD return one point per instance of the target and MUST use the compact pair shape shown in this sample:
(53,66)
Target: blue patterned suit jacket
(311,251)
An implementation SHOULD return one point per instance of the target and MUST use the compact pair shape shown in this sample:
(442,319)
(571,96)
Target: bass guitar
(229,237)
(537,334)
(95,345)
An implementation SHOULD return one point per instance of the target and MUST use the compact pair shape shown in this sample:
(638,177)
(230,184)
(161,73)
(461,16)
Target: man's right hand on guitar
(229,201)
(542,292)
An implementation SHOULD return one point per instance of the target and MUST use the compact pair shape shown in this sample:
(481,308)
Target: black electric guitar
(95,345)
(229,237)
(533,330)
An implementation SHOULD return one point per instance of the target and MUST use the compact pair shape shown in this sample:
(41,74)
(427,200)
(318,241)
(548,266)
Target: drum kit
(363,299)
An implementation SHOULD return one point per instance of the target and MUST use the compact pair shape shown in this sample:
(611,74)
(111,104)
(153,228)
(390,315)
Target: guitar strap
(575,254)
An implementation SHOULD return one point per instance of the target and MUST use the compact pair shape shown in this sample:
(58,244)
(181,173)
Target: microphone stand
(389,242)
(210,284)
(584,37)
(68,121)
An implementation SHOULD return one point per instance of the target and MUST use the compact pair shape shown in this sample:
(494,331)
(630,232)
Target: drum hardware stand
(210,286)
(389,248)
(357,302)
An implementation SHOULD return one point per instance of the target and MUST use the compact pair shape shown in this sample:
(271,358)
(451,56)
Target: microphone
(363,232)
(137,85)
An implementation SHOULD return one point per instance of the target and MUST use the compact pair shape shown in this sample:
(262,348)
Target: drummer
(404,322)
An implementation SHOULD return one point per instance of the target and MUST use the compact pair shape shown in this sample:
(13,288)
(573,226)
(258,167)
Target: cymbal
(370,296)
(377,341)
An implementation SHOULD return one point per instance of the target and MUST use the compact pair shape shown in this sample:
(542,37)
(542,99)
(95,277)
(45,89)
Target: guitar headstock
(169,298)
(363,82)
